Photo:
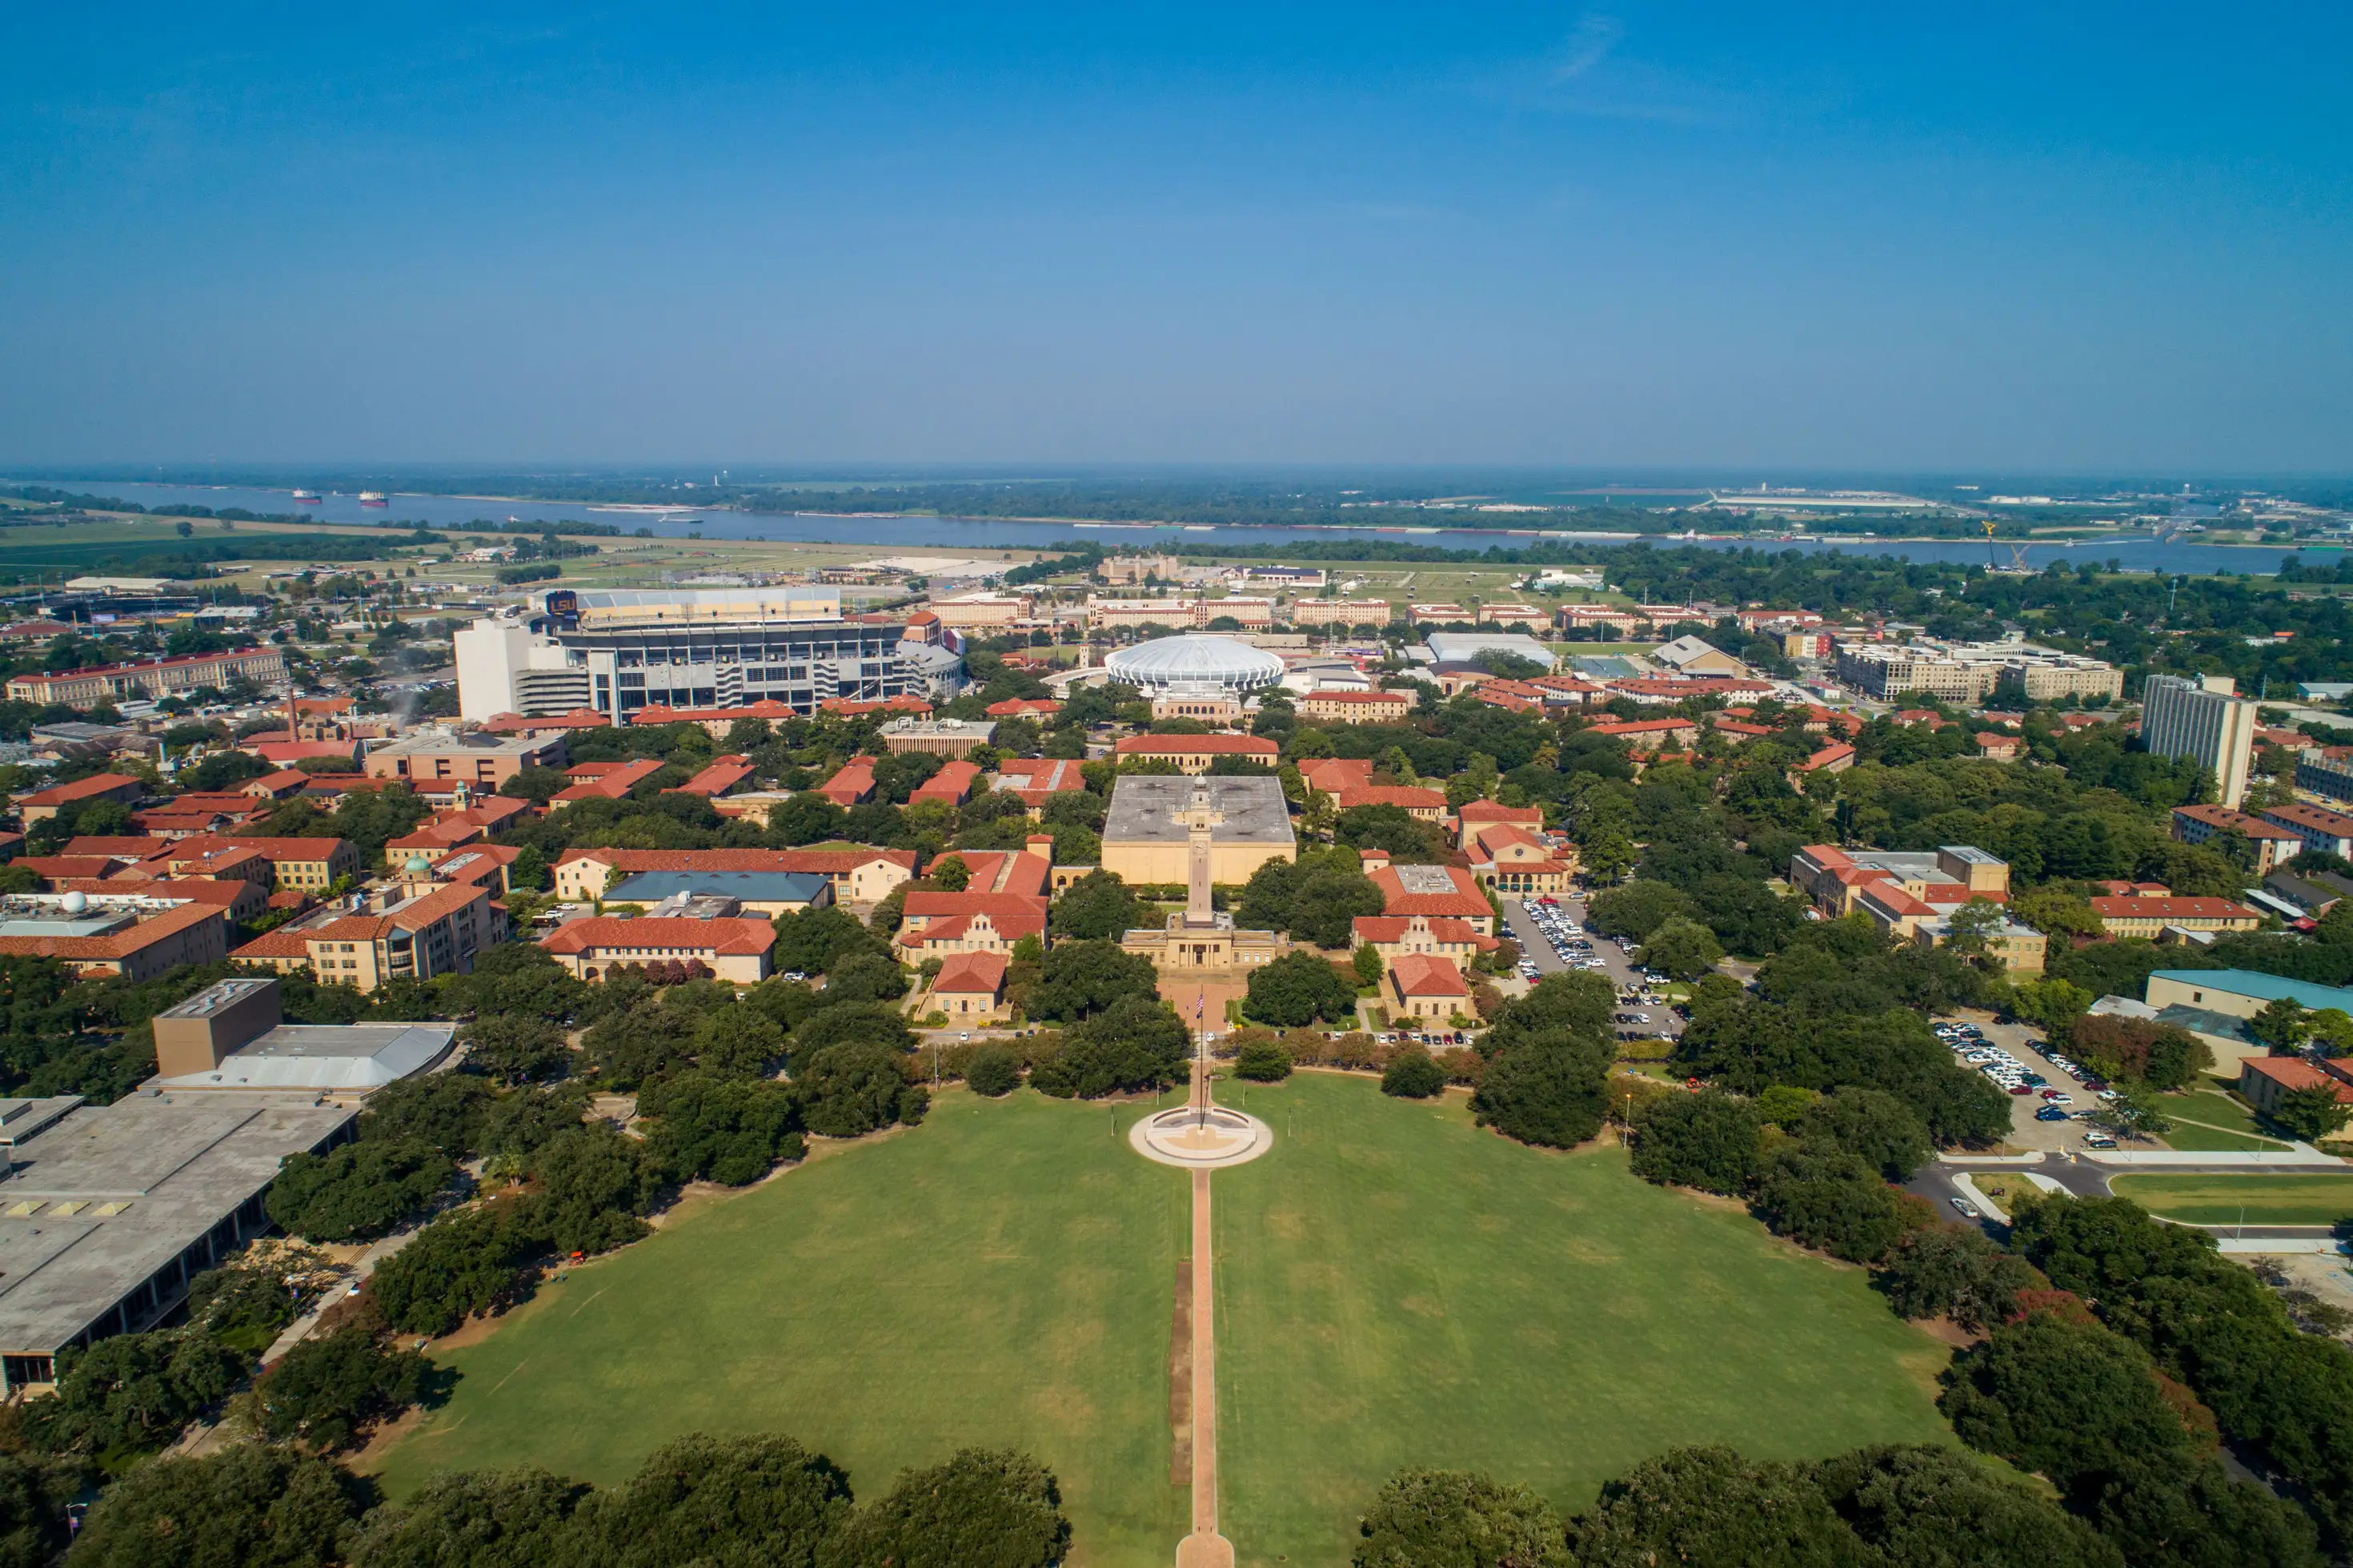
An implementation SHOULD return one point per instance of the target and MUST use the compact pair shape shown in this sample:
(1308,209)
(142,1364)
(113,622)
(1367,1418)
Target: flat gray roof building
(763,892)
(1146,808)
(111,1210)
(1144,842)
(232,1036)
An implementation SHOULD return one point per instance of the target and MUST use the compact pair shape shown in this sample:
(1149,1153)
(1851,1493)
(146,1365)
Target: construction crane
(2017,567)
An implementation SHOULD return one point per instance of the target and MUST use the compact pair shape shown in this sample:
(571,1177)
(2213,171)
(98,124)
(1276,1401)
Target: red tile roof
(145,848)
(1643,726)
(1363,699)
(1189,744)
(952,783)
(301,850)
(2294,1073)
(854,783)
(116,945)
(515,724)
(729,936)
(1024,872)
(49,867)
(1377,928)
(1465,900)
(1035,778)
(614,783)
(285,753)
(1411,798)
(79,789)
(1333,774)
(1025,707)
(2147,908)
(2214,817)
(853,707)
(1496,811)
(281,943)
(723,774)
(969,973)
(820,861)
(945,915)
(1426,974)
(766,708)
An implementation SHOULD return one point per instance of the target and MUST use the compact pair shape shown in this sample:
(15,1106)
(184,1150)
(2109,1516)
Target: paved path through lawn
(1205,1548)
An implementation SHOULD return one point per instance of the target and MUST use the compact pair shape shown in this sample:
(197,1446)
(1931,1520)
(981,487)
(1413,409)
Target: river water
(888,534)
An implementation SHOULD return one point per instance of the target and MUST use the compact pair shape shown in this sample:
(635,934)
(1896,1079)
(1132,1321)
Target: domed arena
(1194,664)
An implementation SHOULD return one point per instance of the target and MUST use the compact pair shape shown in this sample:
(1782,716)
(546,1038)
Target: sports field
(1397,1288)
(1001,1274)
(1394,1287)
(2258,1198)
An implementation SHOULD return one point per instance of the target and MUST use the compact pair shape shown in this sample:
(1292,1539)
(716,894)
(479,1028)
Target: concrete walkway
(204,1437)
(1205,1548)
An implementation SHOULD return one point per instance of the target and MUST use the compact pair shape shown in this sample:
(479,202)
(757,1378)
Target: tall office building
(2203,720)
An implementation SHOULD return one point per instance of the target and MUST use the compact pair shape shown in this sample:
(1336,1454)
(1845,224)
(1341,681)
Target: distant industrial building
(2203,721)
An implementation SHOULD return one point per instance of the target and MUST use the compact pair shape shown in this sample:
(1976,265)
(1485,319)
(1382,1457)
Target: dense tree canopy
(1298,989)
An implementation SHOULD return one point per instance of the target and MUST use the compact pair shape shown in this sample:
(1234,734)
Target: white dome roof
(1195,662)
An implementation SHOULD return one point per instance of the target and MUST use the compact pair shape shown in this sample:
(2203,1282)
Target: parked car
(2051,1113)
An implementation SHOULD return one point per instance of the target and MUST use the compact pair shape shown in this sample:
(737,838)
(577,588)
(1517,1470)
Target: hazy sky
(2040,235)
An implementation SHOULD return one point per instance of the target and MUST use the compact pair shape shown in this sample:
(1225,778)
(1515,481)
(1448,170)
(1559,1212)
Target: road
(2086,1180)
(1665,1021)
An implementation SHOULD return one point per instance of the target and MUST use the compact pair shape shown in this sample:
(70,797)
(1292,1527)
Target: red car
(2021,1089)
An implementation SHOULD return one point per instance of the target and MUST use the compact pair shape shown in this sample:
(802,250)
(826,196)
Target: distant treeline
(45,495)
(1235,503)
(184,557)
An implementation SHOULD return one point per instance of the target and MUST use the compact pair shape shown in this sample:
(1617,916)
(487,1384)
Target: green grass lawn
(1397,1287)
(2298,1198)
(2215,1108)
(2208,1120)
(1001,1274)
(2191,1138)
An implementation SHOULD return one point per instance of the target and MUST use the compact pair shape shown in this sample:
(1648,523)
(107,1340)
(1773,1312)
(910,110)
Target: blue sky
(2077,238)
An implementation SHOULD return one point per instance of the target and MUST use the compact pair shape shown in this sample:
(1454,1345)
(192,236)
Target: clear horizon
(2100,241)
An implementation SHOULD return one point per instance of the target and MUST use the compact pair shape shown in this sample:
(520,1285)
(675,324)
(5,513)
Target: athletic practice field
(1394,1287)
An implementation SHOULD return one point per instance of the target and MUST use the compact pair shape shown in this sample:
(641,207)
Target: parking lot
(2022,1043)
(1603,956)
